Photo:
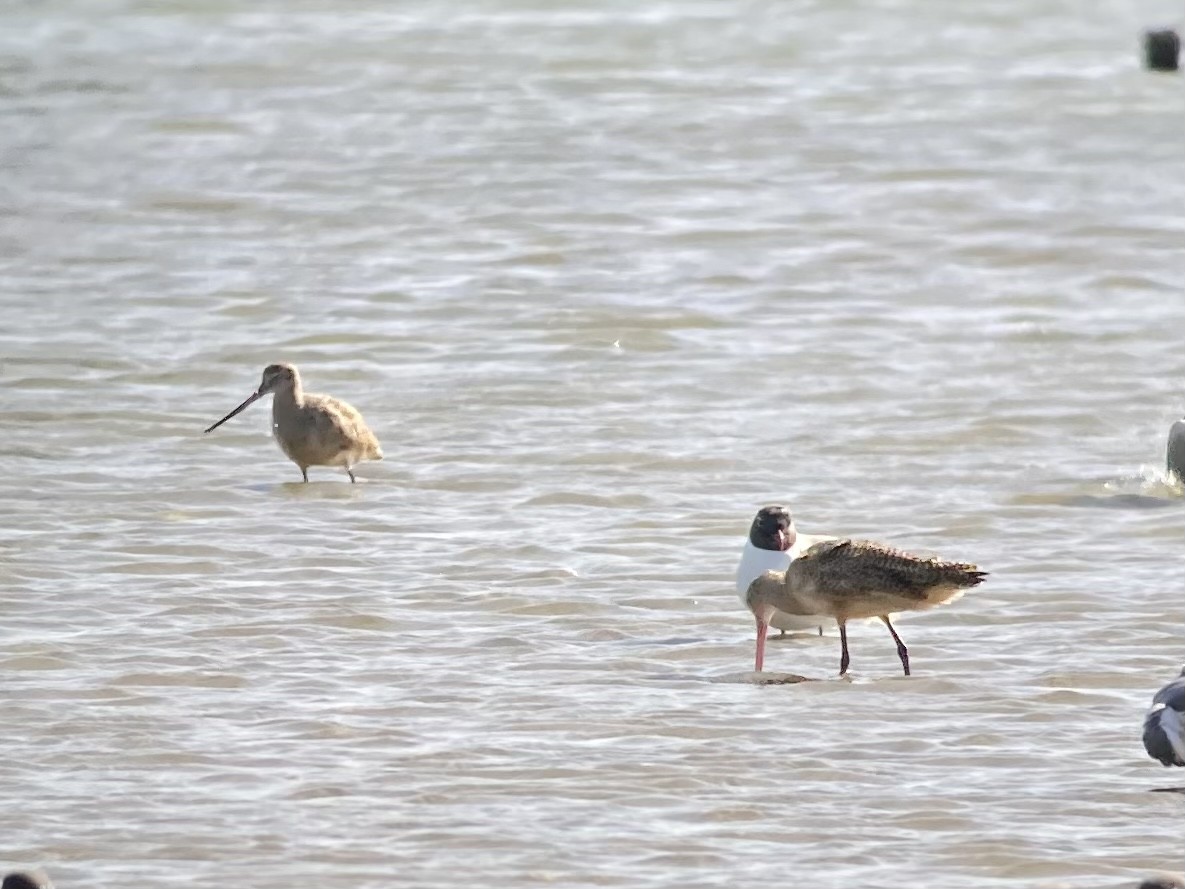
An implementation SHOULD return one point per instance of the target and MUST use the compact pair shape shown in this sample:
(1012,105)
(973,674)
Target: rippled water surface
(604,278)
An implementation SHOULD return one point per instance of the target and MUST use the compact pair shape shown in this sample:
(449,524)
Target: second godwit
(854,579)
(773,542)
(1164,724)
(312,430)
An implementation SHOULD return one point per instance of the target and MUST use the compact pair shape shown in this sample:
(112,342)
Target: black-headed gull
(773,542)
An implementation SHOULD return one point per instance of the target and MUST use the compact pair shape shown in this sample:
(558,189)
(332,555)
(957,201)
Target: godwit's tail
(371,449)
(862,566)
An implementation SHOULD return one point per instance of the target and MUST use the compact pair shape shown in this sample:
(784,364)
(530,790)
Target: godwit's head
(276,378)
(772,529)
(762,599)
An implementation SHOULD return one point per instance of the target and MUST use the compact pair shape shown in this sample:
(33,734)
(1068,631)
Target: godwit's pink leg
(902,651)
(844,659)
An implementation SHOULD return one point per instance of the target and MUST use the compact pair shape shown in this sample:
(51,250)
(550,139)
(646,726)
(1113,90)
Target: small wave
(1148,488)
(1150,482)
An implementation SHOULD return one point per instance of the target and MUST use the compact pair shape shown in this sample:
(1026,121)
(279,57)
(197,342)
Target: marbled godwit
(773,542)
(854,579)
(312,430)
(1164,725)
(1175,454)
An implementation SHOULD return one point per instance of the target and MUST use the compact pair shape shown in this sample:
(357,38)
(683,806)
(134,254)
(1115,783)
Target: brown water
(603,278)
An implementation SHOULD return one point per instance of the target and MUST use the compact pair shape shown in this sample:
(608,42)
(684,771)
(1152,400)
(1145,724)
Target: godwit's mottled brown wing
(861,567)
(334,427)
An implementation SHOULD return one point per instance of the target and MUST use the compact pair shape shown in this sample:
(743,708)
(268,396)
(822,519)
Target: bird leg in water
(902,651)
(304,473)
(351,475)
(844,659)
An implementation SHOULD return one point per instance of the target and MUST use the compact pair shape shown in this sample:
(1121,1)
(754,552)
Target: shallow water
(603,279)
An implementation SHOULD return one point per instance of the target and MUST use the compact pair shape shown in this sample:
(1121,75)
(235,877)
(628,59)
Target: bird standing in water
(1175,452)
(312,430)
(773,543)
(852,580)
(1164,724)
(25,880)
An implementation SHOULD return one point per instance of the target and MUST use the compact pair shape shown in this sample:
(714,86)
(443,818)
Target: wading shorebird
(1164,724)
(772,544)
(312,430)
(854,580)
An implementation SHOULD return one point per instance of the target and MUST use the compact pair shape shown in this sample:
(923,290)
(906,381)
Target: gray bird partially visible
(1164,725)
(27,880)
(1163,881)
(1175,452)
